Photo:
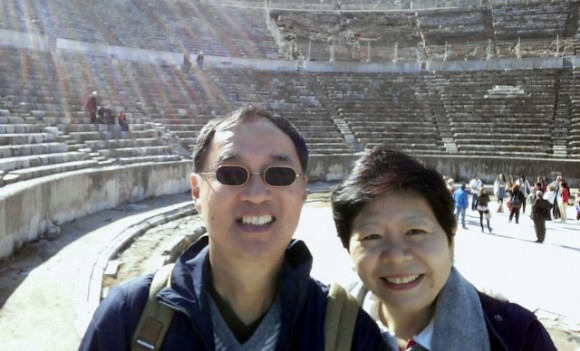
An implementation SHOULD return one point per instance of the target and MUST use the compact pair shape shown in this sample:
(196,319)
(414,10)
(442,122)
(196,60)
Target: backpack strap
(339,321)
(156,317)
(341,314)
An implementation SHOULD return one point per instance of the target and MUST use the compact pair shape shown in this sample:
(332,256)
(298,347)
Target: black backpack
(516,202)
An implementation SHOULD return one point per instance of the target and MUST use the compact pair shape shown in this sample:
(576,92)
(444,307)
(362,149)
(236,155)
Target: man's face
(255,221)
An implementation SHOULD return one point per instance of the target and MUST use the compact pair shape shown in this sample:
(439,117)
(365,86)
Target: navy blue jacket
(513,328)
(303,303)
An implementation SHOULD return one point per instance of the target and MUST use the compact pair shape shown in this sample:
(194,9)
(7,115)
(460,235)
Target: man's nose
(256,190)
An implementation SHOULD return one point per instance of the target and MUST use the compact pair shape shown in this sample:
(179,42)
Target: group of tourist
(247,285)
(104,114)
(548,201)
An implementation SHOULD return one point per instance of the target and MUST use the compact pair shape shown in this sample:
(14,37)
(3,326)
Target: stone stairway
(562,112)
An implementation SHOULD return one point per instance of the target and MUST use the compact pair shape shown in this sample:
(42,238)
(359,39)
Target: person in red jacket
(563,198)
(123,122)
(91,107)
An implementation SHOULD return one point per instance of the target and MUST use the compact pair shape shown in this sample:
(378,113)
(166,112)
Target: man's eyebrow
(228,156)
(282,158)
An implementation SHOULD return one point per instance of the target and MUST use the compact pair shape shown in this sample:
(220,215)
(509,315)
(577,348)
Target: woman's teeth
(402,280)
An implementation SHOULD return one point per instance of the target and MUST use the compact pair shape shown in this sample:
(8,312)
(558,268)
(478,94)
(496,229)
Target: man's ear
(195,181)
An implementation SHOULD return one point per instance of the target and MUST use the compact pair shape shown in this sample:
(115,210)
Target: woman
(525,188)
(510,184)
(499,190)
(516,201)
(395,217)
(543,185)
(563,198)
(483,209)
(509,190)
(577,205)
(450,185)
(123,122)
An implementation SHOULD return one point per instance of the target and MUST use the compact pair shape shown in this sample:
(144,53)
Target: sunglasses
(240,175)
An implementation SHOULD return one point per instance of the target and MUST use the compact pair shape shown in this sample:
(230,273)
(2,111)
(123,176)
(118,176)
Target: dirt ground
(145,254)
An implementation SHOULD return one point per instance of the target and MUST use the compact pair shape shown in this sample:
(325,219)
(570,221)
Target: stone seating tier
(336,145)
(46,170)
(29,138)
(328,151)
(21,128)
(84,136)
(502,132)
(122,143)
(324,140)
(136,151)
(371,125)
(423,148)
(402,137)
(13,163)
(7,118)
(148,158)
(494,148)
(31,149)
(513,138)
(88,127)
(64,122)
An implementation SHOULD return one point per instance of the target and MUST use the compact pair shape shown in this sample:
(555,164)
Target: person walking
(577,205)
(526,189)
(563,198)
(541,213)
(475,185)
(483,209)
(543,185)
(461,204)
(556,207)
(199,60)
(450,185)
(499,190)
(516,203)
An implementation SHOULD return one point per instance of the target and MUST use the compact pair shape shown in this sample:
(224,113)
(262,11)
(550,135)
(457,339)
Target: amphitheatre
(471,87)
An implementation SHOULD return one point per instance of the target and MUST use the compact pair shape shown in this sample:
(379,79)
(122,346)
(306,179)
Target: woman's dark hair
(380,171)
(241,115)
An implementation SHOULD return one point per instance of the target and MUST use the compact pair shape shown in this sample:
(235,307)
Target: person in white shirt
(475,185)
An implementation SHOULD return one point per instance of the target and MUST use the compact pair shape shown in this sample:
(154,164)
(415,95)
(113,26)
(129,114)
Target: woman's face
(400,251)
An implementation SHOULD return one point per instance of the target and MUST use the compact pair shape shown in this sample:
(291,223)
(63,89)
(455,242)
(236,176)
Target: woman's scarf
(458,323)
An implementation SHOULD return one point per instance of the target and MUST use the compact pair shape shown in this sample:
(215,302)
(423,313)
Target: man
(475,185)
(540,213)
(199,60)
(247,285)
(461,203)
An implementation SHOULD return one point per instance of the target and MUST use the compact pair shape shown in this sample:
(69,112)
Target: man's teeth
(402,280)
(257,220)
